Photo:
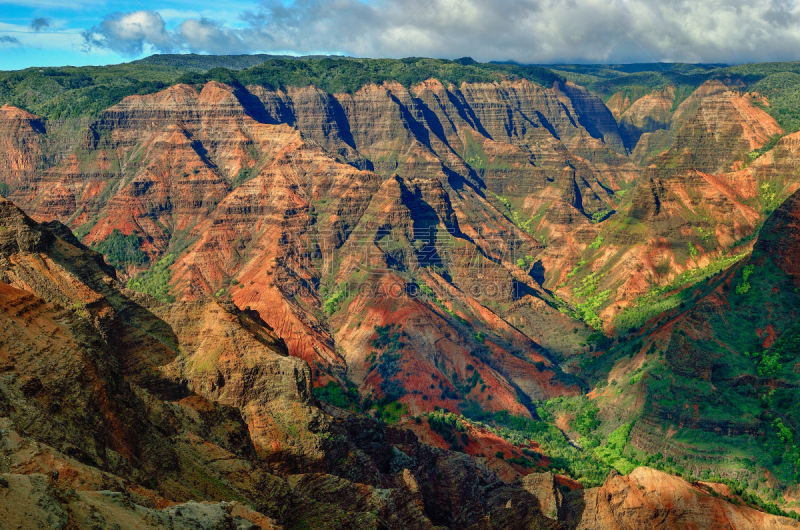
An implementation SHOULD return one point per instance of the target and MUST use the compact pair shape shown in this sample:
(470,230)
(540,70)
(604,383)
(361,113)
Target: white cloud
(541,31)
(208,36)
(130,33)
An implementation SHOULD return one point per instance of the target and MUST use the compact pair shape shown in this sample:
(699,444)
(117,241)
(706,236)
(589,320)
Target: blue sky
(60,41)
(87,32)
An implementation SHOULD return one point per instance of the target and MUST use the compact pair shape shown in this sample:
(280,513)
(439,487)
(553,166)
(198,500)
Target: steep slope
(209,190)
(690,212)
(716,125)
(717,373)
(19,146)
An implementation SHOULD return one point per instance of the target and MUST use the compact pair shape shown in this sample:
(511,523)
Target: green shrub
(586,420)
(333,303)
(392,411)
(597,242)
(332,394)
(744,286)
(121,250)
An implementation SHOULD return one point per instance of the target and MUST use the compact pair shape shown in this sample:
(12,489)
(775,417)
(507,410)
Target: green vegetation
(723,413)
(391,412)
(744,286)
(80,310)
(693,251)
(244,174)
(782,88)
(387,359)
(564,457)
(660,299)
(514,215)
(586,420)
(576,268)
(773,141)
(785,350)
(347,75)
(121,250)
(588,309)
(769,197)
(597,243)
(69,92)
(611,451)
(155,281)
(443,422)
(201,63)
(333,394)
(770,363)
(333,303)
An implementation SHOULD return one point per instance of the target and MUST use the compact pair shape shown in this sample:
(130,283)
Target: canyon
(279,306)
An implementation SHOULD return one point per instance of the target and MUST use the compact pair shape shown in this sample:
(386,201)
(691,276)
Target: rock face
(716,126)
(218,180)
(647,498)
(544,487)
(20,148)
(698,201)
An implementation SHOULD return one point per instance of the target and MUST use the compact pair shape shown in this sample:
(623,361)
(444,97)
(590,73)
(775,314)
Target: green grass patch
(155,281)
(391,412)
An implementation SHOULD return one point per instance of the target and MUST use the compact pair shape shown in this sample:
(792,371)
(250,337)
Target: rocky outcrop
(20,150)
(31,502)
(651,499)
(544,487)
(647,114)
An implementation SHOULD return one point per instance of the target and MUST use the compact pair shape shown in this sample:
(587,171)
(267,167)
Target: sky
(93,32)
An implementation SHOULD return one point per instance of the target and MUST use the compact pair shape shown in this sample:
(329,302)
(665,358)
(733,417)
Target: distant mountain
(193,62)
